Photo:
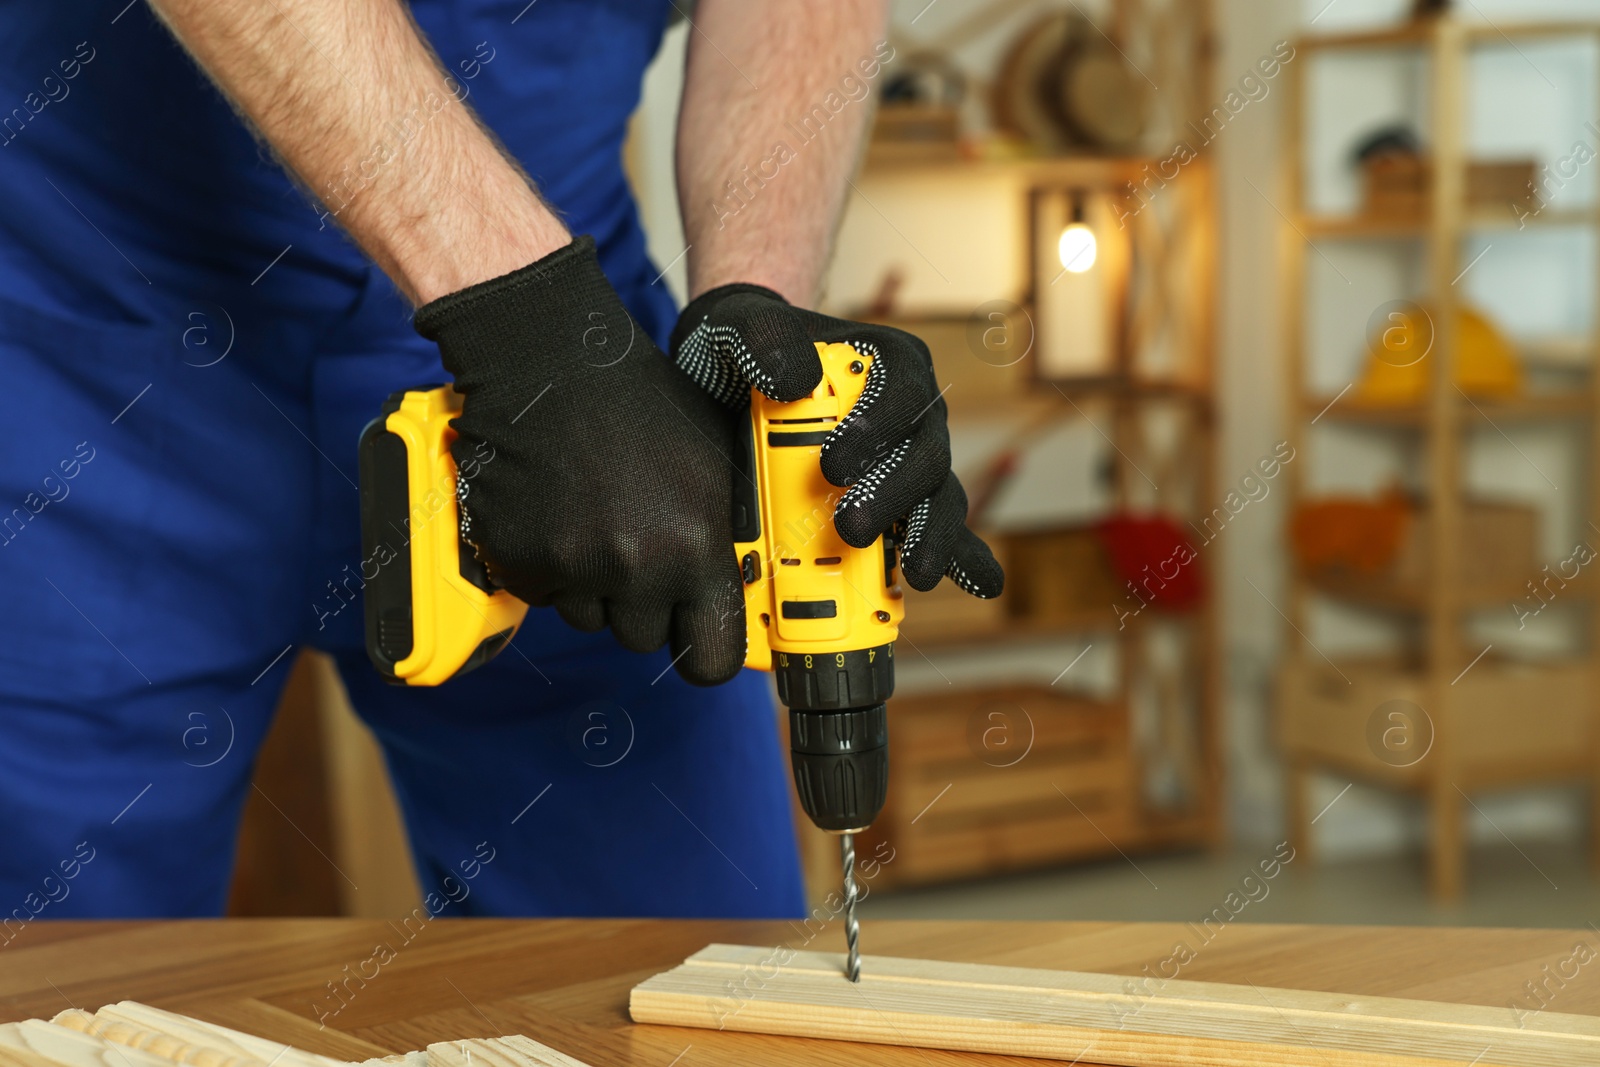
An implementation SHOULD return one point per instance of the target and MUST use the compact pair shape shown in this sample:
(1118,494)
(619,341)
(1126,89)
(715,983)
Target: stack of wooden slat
(129,1034)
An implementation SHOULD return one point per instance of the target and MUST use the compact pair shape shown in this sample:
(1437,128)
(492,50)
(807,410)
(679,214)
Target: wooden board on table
(125,1020)
(34,1043)
(129,1034)
(1107,1019)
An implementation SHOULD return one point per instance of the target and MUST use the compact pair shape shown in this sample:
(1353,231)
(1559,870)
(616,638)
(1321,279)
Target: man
(192,346)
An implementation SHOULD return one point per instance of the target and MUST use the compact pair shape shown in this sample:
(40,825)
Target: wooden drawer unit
(988,781)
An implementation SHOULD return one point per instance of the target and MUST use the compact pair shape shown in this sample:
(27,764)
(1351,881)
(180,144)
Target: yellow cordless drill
(819,614)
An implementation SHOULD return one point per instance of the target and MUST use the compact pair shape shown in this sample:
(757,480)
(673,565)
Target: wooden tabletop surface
(566,983)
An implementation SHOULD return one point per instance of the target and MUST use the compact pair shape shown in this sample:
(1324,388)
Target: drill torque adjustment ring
(834,681)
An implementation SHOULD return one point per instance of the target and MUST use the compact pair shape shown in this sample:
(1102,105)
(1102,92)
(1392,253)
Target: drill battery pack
(432,610)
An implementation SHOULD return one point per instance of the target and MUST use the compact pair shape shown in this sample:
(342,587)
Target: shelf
(1499,33)
(1556,352)
(1407,34)
(1379,594)
(1417,417)
(1097,170)
(1501,720)
(1009,630)
(1419,33)
(1360,226)
(1017,407)
(1121,386)
(1035,392)
(1039,399)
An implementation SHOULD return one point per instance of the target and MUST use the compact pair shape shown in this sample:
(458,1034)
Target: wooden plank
(78,1038)
(210,1035)
(1100,1018)
(18,1056)
(36,1043)
(300,1028)
(152,1041)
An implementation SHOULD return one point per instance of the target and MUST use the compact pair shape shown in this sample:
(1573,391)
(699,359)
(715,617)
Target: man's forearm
(776,98)
(325,82)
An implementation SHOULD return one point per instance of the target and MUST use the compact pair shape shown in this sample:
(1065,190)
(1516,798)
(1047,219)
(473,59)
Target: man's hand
(609,495)
(892,450)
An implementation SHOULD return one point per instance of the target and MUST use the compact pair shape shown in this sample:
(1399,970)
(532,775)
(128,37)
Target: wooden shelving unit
(1496,722)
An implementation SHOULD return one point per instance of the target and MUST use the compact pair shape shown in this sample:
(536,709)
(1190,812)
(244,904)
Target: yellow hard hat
(1397,365)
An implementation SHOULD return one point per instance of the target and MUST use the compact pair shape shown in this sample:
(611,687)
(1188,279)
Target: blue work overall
(189,348)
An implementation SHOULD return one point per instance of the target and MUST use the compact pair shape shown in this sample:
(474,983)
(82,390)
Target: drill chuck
(838,732)
(841,765)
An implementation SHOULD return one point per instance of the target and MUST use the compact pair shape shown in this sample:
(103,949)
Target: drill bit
(852,929)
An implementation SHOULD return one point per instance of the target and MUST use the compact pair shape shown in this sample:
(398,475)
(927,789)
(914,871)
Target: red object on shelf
(1155,556)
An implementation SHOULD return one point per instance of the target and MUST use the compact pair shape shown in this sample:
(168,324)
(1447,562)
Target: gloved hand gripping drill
(631,493)
(867,418)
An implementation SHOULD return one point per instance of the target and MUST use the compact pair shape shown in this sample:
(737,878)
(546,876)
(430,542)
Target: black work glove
(607,491)
(892,450)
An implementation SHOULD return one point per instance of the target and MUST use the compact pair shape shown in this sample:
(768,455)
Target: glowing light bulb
(1077,248)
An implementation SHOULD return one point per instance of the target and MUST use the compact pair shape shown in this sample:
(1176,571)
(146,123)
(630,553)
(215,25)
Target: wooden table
(566,982)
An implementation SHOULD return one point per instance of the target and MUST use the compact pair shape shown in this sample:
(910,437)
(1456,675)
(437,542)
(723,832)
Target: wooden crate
(1069,575)
(1506,721)
(904,133)
(1499,554)
(1002,780)
(1499,546)
(1398,186)
(900,123)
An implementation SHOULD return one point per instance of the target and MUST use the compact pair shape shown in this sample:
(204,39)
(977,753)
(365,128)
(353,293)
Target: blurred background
(1268,328)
